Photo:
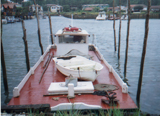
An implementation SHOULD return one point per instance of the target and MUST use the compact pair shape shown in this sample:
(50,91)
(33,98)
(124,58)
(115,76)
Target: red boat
(36,87)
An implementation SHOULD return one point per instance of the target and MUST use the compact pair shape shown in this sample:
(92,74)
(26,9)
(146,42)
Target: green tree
(96,9)
(138,8)
(105,9)
(66,8)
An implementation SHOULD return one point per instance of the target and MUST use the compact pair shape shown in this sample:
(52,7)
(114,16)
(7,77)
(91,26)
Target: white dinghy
(78,66)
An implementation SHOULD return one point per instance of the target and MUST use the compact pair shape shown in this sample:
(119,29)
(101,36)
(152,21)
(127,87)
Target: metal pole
(72,20)
(143,54)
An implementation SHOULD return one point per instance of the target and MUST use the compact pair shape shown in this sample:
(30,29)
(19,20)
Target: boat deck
(33,92)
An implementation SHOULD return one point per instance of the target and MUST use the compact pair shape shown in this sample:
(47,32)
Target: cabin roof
(83,32)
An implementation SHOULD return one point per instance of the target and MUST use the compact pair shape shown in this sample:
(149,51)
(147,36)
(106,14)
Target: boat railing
(16,90)
(117,77)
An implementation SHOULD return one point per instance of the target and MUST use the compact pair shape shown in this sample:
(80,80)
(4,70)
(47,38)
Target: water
(150,95)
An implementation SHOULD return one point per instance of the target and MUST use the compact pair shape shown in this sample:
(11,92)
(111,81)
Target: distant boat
(111,18)
(18,19)
(10,19)
(4,21)
(101,16)
(124,17)
(44,17)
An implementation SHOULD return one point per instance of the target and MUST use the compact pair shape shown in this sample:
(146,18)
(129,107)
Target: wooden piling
(50,24)
(143,54)
(127,40)
(115,49)
(5,82)
(119,40)
(39,34)
(26,46)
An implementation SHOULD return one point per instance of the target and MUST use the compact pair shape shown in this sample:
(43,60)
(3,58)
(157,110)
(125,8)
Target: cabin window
(53,7)
(72,39)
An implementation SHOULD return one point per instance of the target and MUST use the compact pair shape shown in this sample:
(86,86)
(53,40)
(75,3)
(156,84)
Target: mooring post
(119,40)
(50,24)
(127,40)
(143,54)
(115,49)
(39,34)
(26,46)
(5,82)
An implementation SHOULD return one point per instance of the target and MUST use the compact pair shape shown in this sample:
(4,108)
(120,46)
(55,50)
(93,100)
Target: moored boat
(101,16)
(32,91)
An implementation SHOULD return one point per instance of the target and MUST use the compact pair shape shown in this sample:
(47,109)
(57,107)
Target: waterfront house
(9,9)
(116,9)
(89,9)
(100,6)
(55,8)
(155,8)
(33,9)
(138,7)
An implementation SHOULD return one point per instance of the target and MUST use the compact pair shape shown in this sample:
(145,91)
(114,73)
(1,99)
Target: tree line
(79,3)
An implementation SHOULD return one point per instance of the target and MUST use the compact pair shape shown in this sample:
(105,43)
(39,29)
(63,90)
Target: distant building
(100,6)
(134,9)
(33,9)
(73,8)
(55,8)
(9,8)
(155,8)
(116,9)
(89,8)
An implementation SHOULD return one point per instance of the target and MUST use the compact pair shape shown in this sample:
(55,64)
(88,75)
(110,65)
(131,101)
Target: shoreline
(89,15)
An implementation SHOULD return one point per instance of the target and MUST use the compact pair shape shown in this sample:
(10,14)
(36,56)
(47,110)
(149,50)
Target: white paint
(16,92)
(70,90)
(60,87)
(65,48)
(78,106)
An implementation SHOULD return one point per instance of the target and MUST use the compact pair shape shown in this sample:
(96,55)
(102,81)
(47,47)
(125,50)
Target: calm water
(150,95)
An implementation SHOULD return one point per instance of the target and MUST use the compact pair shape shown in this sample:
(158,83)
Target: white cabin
(68,40)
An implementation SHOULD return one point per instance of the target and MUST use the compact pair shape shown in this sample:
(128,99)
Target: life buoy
(71,29)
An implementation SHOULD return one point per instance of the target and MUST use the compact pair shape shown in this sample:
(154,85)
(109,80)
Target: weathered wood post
(119,40)
(127,40)
(26,46)
(114,29)
(143,54)
(5,82)
(50,24)
(39,34)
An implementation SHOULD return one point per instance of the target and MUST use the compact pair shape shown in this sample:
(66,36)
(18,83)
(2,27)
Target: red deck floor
(32,92)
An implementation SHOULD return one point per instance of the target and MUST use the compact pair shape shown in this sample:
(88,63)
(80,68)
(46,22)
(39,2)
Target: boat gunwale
(16,90)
